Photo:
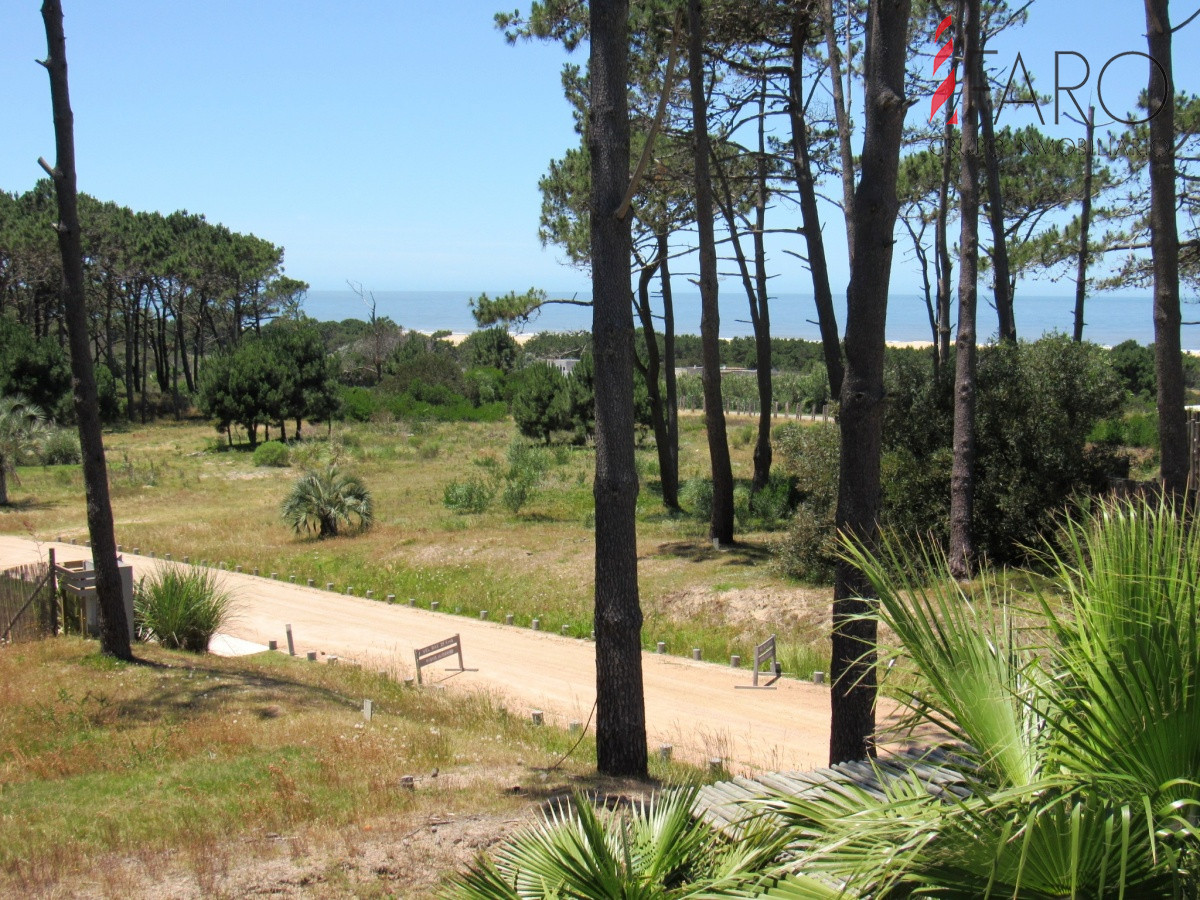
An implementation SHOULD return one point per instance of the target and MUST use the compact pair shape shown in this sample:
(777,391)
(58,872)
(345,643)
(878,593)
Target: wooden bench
(764,653)
(451,646)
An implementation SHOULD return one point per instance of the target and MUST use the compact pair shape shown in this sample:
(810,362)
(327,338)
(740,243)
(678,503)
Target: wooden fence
(28,604)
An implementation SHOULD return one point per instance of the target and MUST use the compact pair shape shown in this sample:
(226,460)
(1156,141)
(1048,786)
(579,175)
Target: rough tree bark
(670,472)
(818,265)
(721,525)
(651,371)
(1000,268)
(1085,224)
(842,117)
(853,691)
(962,478)
(620,708)
(1164,246)
(114,628)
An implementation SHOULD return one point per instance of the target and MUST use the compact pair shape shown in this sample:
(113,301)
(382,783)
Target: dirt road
(694,706)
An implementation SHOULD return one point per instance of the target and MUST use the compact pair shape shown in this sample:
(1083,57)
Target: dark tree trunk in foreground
(1085,224)
(962,478)
(852,726)
(114,628)
(620,710)
(1164,246)
(831,345)
(721,526)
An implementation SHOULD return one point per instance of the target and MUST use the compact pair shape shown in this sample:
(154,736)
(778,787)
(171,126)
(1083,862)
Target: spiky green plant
(654,850)
(324,502)
(1079,713)
(182,607)
(22,429)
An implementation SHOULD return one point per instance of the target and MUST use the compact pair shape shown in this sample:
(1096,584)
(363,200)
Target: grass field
(177,490)
(186,766)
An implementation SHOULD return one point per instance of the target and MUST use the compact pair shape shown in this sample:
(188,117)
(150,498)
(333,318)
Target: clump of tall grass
(182,608)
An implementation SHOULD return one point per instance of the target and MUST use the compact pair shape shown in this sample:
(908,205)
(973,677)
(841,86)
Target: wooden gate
(28,605)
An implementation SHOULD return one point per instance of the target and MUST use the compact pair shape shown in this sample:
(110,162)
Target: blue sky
(397,144)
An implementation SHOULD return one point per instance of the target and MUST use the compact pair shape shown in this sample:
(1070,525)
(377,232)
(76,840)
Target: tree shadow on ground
(737,554)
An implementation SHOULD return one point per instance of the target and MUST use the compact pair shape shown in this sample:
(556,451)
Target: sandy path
(693,706)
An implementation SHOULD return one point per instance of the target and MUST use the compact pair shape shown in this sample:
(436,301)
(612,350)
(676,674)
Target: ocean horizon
(1109,320)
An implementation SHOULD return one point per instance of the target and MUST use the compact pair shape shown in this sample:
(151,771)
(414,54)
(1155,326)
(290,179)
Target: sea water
(1109,318)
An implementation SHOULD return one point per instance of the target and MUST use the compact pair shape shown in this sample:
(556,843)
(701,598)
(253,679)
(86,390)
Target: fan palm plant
(1079,713)
(22,428)
(655,850)
(323,502)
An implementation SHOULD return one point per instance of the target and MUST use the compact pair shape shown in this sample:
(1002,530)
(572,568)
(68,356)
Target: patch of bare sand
(797,608)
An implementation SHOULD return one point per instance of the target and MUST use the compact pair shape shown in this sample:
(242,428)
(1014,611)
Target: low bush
(60,448)
(526,467)
(696,497)
(181,608)
(271,453)
(471,496)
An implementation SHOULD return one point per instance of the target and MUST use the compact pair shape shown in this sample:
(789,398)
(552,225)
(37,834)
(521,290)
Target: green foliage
(654,850)
(181,607)
(491,348)
(35,368)
(696,497)
(808,455)
(1133,430)
(22,431)
(358,404)
(1080,729)
(1135,366)
(60,448)
(538,401)
(1037,406)
(271,453)
(327,501)
(471,496)
(527,466)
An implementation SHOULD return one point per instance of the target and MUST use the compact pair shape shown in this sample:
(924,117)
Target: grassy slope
(186,756)
(173,493)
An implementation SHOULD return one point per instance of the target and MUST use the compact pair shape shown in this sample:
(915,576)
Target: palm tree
(322,502)
(1077,712)
(654,850)
(22,428)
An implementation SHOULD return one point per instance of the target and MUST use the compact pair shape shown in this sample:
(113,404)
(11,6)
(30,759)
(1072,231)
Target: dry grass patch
(176,762)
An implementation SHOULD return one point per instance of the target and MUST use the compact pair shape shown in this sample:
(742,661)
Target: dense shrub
(526,467)
(271,453)
(471,496)
(181,608)
(60,448)
(696,498)
(358,404)
(809,455)
(538,402)
(492,348)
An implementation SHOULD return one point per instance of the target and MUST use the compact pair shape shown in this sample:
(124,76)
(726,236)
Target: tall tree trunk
(852,695)
(721,525)
(651,371)
(1000,267)
(114,628)
(620,707)
(818,265)
(670,472)
(962,478)
(941,237)
(842,117)
(760,313)
(755,285)
(1085,224)
(1164,246)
